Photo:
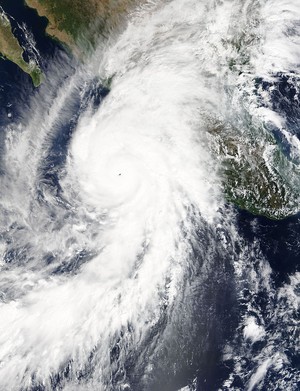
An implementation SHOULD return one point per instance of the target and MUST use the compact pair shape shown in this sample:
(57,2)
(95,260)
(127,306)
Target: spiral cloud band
(116,257)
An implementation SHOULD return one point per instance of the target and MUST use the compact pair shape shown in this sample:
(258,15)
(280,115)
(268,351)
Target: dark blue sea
(278,240)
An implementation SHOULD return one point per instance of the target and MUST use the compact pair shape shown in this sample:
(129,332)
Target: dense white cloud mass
(105,260)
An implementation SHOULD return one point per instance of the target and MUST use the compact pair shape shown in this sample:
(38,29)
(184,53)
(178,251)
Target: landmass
(79,24)
(10,49)
(75,23)
(257,175)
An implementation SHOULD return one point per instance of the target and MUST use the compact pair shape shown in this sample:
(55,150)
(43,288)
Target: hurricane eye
(149,195)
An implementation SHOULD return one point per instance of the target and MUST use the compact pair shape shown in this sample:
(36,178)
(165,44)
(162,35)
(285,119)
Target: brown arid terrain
(79,24)
(11,50)
(76,24)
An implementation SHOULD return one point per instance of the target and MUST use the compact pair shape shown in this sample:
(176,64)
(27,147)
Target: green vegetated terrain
(10,49)
(79,23)
(257,175)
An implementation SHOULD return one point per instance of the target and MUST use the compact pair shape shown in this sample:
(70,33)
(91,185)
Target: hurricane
(123,265)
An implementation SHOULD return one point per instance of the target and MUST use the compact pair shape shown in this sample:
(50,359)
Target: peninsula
(10,49)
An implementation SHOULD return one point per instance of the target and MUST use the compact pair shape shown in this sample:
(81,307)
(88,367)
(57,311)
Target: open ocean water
(122,266)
